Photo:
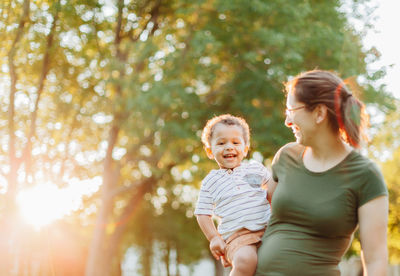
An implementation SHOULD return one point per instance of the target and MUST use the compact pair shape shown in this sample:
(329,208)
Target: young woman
(323,188)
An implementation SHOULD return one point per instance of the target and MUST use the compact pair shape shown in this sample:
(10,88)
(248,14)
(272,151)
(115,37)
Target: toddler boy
(234,194)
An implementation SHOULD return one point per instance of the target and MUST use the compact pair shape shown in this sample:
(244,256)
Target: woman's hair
(346,114)
(226,119)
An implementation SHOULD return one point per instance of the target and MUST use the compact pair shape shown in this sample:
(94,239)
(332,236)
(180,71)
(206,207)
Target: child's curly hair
(226,119)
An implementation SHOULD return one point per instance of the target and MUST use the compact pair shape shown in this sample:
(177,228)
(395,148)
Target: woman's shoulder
(363,167)
(292,148)
(367,176)
(362,162)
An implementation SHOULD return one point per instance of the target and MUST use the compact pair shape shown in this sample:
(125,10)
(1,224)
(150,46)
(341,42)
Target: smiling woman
(322,188)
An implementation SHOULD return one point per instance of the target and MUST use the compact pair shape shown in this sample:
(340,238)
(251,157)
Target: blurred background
(102,103)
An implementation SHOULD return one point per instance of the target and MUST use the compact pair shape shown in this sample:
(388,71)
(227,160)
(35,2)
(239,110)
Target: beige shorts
(241,238)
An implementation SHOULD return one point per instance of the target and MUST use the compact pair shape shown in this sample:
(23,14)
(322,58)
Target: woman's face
(299,119)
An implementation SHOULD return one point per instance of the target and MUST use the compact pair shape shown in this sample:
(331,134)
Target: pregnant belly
(294,253)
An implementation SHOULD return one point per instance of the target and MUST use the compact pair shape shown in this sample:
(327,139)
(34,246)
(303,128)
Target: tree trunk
(103,250)
(166,259)
(97,263)
(146,259)
(96,259)
(178,261)
(115,238)
(9,218)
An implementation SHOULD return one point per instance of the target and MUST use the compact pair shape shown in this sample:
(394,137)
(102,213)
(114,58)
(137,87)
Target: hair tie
(348,95)
(338,105)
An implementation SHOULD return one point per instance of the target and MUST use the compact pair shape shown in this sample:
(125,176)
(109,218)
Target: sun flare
(45,203)
(42,204)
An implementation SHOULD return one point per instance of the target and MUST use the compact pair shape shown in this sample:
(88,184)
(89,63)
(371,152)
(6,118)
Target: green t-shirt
(314,214)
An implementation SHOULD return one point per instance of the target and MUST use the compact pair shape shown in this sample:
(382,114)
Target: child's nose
(229,146)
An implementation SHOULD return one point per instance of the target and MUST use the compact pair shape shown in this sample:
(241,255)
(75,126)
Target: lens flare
(45,203)
(42,204)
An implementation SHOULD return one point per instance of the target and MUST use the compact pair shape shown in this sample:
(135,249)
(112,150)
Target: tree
(22,106)
(121,90)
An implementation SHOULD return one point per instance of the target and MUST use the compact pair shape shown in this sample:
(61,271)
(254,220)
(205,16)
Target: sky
(387,40)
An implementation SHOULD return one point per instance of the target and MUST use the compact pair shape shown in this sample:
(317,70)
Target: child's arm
(271,185)
(268,184)
(217,244)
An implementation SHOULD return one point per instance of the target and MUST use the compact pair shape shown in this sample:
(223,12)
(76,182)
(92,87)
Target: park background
(102,104)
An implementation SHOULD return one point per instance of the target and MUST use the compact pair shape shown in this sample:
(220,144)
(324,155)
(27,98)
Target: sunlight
(42,204)
(45,203)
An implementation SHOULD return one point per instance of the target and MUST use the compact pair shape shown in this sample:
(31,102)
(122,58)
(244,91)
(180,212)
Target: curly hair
(226,119)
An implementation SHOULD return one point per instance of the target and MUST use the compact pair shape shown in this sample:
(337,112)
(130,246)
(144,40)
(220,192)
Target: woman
(323,188)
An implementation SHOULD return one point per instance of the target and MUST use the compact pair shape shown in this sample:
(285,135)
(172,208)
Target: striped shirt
(236,197)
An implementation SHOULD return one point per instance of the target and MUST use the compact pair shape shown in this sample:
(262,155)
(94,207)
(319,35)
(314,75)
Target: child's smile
(227,146)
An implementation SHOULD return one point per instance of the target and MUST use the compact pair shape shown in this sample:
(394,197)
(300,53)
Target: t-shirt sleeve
(373,185)
(276,164)
(204,205)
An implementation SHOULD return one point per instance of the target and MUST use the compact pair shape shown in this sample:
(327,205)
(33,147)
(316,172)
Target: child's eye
(220,143)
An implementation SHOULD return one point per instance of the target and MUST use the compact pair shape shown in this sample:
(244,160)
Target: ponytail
(355,121)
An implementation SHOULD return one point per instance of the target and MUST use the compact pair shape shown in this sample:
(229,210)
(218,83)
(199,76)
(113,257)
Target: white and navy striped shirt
(236,197)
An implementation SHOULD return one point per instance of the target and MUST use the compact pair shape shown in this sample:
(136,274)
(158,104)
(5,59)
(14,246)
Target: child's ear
(209,153)
(246,150)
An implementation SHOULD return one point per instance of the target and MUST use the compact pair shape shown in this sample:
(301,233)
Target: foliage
(385,149)
(120,90)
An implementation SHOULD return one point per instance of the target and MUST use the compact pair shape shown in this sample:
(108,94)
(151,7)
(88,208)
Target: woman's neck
(325,154)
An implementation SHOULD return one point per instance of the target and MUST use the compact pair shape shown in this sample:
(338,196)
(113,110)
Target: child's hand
(217,247)
(225,262)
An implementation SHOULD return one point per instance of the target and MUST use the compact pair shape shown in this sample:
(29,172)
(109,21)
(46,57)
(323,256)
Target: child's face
(228,147)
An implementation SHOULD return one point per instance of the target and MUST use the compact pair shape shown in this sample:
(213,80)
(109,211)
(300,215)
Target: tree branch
(153,18)
(26,157)
(14,163)
(123,189)
(129,211)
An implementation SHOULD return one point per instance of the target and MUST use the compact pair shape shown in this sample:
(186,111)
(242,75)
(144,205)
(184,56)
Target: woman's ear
(209,153)
(321,113)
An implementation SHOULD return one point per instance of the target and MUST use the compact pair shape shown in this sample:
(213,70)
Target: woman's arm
(373,220)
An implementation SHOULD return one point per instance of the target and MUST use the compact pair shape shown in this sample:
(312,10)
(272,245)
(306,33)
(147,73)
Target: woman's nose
(288,121)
